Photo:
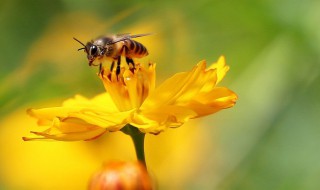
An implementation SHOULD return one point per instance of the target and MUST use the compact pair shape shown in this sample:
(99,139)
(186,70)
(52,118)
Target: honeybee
(112,48)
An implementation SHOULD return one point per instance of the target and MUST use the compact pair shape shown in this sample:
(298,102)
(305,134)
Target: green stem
(138,141)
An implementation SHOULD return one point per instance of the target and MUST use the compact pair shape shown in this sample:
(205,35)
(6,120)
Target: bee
(112,48)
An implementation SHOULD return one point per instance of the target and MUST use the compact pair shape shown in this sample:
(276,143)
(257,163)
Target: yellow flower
(132,98)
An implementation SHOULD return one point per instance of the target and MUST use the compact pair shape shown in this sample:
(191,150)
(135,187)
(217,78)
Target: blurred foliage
(269,140)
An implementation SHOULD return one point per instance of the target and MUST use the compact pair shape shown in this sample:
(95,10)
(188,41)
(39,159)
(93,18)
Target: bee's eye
(93,50)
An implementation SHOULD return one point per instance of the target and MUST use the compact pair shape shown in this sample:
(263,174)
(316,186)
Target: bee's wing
(127,36)
(123,35)
(140,35)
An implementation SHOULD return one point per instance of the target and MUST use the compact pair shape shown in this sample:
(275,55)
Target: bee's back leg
(118,65)
(130,63)
(129,60)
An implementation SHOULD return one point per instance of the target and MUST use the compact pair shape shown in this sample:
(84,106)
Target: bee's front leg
(112,66)
(100,69)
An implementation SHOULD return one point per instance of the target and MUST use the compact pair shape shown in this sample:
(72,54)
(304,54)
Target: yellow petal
(109,121)
(80,116)
(98,118)
(70,129)
(221,68)
(207,103)
(139,84)
(210,79)
(102,101)
(117,90)
(184,84)
(157,120)
(73,136)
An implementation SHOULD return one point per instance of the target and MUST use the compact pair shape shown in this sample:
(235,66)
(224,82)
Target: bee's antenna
(79,43)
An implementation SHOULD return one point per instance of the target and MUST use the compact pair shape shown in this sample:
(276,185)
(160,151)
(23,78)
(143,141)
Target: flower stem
(138,141)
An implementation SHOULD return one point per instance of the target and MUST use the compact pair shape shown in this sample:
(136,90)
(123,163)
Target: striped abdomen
(135,49)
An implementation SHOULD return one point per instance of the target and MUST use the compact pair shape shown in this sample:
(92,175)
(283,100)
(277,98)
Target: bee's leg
(118,65)
(100,69)
(112,66)
(128,59)
(130,64)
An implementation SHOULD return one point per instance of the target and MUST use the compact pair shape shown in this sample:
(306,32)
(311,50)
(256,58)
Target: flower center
(131,87)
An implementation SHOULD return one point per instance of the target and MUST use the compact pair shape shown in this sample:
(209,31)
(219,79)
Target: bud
(122,175)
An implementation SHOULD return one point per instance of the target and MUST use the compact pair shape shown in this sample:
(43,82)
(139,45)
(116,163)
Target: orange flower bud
(122,175)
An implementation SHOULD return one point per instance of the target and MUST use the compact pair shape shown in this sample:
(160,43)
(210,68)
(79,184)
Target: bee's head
(91,49)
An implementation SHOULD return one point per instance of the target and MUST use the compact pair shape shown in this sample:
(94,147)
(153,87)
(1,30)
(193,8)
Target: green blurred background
(269,140)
